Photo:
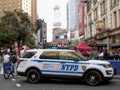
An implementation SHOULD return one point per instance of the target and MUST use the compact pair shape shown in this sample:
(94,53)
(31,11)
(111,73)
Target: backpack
(14,59)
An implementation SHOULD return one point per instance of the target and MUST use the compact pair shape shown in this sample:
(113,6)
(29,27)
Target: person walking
(14,63)
(106,55)
(6,61)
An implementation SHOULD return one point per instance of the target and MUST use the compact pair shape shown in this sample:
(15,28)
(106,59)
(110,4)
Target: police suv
(37,64)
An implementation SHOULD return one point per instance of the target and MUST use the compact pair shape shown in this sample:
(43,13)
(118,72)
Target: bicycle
(8,72)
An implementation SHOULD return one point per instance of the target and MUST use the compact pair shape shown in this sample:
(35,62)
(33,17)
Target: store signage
(81,19)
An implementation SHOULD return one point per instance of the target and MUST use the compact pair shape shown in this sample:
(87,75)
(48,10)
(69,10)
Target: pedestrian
(6,60)
(100,55)
(22,52)
(105,55)
(14,63)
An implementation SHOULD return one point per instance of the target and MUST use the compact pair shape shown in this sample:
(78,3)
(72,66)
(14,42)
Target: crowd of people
(101,54)
(8,58)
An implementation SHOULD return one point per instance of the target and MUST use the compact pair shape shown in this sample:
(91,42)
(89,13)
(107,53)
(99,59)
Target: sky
(45,10)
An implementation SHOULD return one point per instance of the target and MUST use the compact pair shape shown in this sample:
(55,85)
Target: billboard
(81,19)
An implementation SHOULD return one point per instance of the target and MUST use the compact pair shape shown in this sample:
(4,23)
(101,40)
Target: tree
(8,33)
(38,25)
(15,26)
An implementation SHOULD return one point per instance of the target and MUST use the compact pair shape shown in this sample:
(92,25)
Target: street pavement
(1,72)
(20,83)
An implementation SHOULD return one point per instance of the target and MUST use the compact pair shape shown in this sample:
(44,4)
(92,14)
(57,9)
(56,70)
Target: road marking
(18,85)
(13,79)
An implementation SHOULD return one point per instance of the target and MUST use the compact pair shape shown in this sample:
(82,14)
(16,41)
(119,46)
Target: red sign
(81,19)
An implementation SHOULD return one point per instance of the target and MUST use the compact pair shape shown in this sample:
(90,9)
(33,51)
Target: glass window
(115,19)
(28,54)
(49,55)
(70,56)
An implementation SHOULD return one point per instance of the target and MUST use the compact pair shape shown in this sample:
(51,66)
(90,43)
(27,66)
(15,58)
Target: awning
(83,47)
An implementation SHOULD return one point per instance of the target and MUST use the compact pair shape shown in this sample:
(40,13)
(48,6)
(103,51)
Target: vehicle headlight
(106,65)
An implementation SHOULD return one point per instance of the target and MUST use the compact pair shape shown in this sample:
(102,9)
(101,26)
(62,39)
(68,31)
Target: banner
(16,47)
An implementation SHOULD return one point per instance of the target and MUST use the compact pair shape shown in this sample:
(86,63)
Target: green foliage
(38,25)
(15,26)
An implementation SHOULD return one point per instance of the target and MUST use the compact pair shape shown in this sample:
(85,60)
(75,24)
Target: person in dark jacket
(106,55)
(14,63)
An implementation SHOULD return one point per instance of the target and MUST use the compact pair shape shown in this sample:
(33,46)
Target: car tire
(93,78)
(33,76)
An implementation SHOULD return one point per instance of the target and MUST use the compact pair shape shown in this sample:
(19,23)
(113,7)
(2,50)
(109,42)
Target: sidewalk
(116,77)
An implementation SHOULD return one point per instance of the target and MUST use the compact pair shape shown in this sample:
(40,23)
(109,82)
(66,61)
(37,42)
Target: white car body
(61,67)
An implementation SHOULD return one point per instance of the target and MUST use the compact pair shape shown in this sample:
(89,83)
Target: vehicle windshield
(28,54)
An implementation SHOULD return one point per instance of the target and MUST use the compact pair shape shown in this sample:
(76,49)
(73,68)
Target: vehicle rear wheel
(33,76)
(7,73)
(93,78)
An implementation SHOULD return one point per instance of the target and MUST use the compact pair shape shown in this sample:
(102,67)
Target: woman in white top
(6,61)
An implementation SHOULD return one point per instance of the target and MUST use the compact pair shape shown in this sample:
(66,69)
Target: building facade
(57,17)
(102,24)
(59,34)
(72,21)
(28,6)
(42,35)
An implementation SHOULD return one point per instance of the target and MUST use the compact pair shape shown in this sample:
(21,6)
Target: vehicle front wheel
(93,78)
(33,76)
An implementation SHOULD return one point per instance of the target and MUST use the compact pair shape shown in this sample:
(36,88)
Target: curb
(116,77)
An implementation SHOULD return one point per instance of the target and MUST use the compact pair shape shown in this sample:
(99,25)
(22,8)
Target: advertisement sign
(81,19)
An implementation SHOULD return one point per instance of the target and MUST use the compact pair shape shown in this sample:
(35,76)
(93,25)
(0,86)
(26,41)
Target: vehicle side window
(68,56)
(49,55)
(28,54)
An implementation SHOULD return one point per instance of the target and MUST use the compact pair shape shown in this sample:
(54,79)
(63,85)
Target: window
(28,54)
(103,7)
(115,19)
(95,14)
(114,3)
(49,55)
(119,17)
(95,1)
(88,5)
(68,56)
(116,39)
(111,20)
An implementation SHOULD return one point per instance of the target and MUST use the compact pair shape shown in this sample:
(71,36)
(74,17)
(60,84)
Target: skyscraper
(73,13)
(72,20)
(57,17)
(28,6)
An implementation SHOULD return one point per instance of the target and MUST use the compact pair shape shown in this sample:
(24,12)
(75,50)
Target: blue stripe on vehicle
(65,72)
(59,61)
(98,64)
